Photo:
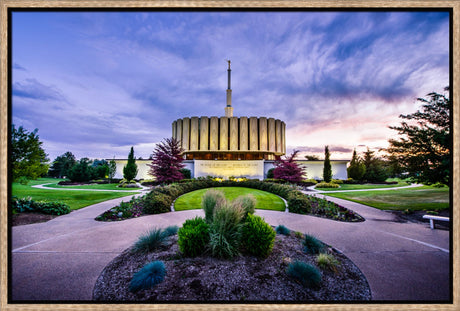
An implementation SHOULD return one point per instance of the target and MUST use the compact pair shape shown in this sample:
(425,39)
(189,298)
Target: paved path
(62,258)
(312,188)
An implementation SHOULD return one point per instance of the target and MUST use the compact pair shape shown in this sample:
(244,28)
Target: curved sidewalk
(61,259)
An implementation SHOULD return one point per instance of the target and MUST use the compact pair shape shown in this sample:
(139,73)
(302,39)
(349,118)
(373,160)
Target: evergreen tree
(82,171)
(327,170)
(112,169)
(62,165)
(357,168)
(167,161)
(375,168)
(130,169)
(287,169)
(27,156)
(424,150)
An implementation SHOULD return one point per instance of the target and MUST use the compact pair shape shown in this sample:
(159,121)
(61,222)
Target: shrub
(258,237)
(312,181)
(312,245)
(23,180)
(298,203)
(186,173)
(156,203)
(193,237)
(149,276)
(225,230)
(210,200)
(282,230)
(304,273)
(29,205)
(327,185)
(270,173)
(327,262)
(337,181)
(150,241)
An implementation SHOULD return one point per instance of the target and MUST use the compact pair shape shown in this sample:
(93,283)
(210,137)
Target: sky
(97,83)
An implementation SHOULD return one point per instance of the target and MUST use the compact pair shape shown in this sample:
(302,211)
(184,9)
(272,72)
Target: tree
(375,168)
(423,151)
(28,158)
(357,168)
(167,161)
(287,169)
(82,171)
(312,158)
(112,169)
(62,165)
(101,167)
(327,170)
(130,169)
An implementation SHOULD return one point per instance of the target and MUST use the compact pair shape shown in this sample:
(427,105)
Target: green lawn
(419,198)
(265,200)
(75,199)
(95,186)
(345,187)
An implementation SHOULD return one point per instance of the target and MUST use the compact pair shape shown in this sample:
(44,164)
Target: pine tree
(327,170)
(287,169)
(130,169)
(167,161)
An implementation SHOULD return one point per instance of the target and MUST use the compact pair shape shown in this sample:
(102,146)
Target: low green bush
(258,237)
(149,276)
(193,237)
(299,203)
(156,203)
(327,185)
(28,205)
(304,273)
(337,181)
(312,245)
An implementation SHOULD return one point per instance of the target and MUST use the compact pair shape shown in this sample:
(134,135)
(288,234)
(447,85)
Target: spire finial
(228,64)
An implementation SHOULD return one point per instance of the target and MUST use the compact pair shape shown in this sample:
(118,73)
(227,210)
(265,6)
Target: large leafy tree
(62,165)
(82,171)
(327,169)
(27,156)
(288,169)
(357,168)
(424,148)
(130,169)
(167,161)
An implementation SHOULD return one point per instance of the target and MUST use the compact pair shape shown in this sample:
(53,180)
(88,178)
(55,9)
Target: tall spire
(229,108)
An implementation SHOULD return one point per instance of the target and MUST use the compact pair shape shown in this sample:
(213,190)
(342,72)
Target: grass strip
(419,198)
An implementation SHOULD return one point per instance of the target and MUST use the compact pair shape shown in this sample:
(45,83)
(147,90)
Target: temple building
(232,146)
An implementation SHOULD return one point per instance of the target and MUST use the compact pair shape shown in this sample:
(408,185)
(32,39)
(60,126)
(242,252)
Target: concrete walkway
(62,258)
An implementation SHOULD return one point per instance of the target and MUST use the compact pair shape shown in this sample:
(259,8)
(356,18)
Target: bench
(432,218)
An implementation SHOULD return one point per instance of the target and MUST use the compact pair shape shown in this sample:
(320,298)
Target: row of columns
(231,134)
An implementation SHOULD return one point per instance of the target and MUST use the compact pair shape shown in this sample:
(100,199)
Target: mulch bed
(30,218)
(242,279)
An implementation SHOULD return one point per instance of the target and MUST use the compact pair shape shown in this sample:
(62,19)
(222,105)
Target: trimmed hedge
(29,205)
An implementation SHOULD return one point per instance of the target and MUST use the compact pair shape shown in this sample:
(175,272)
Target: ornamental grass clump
(304,273)
(149,276)
(193,237)
(210,200)
(225,230)
(247,202)
(170,231)
(150,241)
(258,237)
(327,262)
(312,245)
(282,230)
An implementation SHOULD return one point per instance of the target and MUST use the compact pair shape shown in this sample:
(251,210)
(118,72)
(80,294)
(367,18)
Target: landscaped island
(230,255)
(161,198)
